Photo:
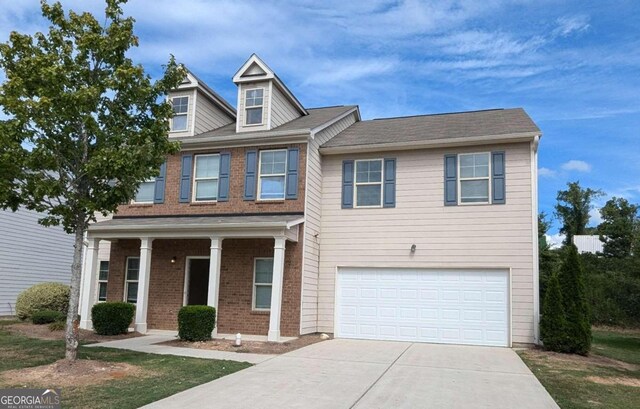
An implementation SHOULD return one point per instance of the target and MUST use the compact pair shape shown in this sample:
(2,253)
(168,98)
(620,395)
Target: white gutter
(435,143)
(534,237)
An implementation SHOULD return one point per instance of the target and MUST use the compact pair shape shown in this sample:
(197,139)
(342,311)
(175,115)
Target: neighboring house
(292,221)
(588,243)
(30,254)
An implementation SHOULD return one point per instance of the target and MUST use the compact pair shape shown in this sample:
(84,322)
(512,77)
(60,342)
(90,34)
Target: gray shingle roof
(316,117)
(434,127)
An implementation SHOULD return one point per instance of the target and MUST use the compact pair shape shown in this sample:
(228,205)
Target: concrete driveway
(375,374)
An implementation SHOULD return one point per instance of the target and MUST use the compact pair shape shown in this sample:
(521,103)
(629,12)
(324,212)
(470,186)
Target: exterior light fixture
(173,260)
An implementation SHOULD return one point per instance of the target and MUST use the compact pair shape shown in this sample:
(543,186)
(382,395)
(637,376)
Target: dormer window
(253,106)
(180,111)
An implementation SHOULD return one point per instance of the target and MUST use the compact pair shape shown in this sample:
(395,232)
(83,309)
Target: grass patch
(608,378)
(167,374)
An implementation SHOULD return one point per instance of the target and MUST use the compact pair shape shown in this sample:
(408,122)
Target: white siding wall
(208,116)
(281,109)
(489,236)
(266,98)
(309,300)
(190,115)
(588,244)
(30,254)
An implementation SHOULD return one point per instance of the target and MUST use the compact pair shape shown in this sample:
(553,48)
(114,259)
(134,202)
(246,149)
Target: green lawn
(605,379)
(165,375)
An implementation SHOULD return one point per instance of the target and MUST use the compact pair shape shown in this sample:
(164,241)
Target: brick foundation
(235,312)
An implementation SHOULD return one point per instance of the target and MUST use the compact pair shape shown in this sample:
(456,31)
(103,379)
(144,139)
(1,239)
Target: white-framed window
(180,113)
(103,278)
(253,104)
(474,181)
(272,174)
(205,180)
(262,282)
(145,192)
(132,272)
(368,183)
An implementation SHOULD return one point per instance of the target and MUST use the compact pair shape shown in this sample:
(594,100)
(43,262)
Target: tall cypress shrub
(553,324)
(572,287)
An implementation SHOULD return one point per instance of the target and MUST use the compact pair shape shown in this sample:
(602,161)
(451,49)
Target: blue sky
(573,65)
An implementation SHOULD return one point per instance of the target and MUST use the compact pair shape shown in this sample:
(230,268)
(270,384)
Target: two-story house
(291,221)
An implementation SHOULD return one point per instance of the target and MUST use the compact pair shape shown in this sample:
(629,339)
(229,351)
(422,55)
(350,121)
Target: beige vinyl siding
(29,254)
(282,111)
(241,127)
(191,93)
(208,116)
(313,193)
(464,236)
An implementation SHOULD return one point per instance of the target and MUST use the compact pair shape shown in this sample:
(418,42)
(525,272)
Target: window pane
(133,266)
(368,171)
(264,271)
(102,291)
(180,105)
(263,296)
(207,166)
(474,191)
(207,189)
(466,171)
(132,292)
(482,171)
(272,187)
(466,160)
(104,271)
(368,195)
(481,159)
(145,192)
(254,116)
(179,123)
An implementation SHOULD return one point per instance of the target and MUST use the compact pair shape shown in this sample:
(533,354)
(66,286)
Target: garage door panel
(461,307)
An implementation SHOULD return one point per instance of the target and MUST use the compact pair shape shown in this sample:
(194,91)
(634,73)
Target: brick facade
(235,204)
(235,312)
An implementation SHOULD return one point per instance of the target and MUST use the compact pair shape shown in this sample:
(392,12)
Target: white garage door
(445,306)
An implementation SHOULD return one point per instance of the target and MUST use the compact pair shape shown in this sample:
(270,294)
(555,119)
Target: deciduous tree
(618,228)
(573,209)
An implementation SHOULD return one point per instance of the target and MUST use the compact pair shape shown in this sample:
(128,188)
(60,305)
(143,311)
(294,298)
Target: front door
(198,281)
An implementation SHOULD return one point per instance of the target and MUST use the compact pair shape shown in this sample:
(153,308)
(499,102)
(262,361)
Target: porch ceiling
(198,227)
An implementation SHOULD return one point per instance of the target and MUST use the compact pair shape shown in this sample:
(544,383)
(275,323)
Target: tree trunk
(73,322)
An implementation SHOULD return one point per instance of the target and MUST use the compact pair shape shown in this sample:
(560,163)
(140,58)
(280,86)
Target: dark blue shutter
(389,195)
(185,178)
(292,174)
(223,177)
(347,184)
(498,195)
(250,175)
(450,180)
(158,193)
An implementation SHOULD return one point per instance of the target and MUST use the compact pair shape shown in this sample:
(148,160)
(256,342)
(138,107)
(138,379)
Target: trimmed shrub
(46,317)
(43,296)
(572,287)
(57,326)
(196,322)
(553,324)
(112,318)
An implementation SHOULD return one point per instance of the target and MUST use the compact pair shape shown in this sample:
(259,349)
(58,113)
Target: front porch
(229,263)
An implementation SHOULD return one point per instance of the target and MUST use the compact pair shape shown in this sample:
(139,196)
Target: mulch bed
(30,330)
(254,347)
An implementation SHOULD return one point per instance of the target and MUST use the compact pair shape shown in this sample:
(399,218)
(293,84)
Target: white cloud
(576,165)
(547,173)
(339,71)
(571,24)
(555,240)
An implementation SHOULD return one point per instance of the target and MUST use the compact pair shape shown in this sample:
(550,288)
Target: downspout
(534,221)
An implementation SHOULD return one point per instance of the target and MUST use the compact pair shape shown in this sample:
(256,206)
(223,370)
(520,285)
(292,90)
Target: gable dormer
(264,102)
(197,108)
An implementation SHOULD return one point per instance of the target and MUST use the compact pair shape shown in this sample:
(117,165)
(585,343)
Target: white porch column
(214,277)
(276,289)
(142,301)
(89,280)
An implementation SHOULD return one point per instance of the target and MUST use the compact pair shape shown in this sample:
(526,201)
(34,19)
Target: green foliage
(553,323)
(43,296)
(618,228)
(196,322)
(47,317)
(57,326)
(573,209)
(112,318)
(572,287)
